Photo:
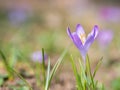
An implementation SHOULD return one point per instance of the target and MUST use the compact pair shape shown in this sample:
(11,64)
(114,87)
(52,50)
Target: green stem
(43,66)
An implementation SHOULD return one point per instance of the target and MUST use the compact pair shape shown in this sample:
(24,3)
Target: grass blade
(14,71)
(77,76)
(88,67)
(6,64)
(83,75)
(43,66)
(60,59)
(48,75)
(97,67)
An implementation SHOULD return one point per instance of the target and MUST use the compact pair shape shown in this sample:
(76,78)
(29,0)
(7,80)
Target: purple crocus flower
(111,14)
(80,40)
(37,56)
(104,38)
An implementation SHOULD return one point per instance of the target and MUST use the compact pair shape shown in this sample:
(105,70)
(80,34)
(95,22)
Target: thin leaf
(14,71)
(6,64)
(48,75)
(96,83)
(89,71)
(43,66)
(77,76)
(60,59)
(97,67)
(103,88)
(83,75)
(2,55)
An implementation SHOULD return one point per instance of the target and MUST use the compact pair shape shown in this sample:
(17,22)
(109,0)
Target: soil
(64,78)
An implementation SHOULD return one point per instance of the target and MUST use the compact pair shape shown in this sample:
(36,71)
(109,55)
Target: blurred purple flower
(80,40)
(37,56)
(19,13)
(17,17)
(111,14)
(104,38)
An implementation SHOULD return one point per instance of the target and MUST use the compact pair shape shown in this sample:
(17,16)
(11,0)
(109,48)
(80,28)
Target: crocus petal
(69,34)
(79,45)
(91,37)
(74,37)
(79,29)
(80,41)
